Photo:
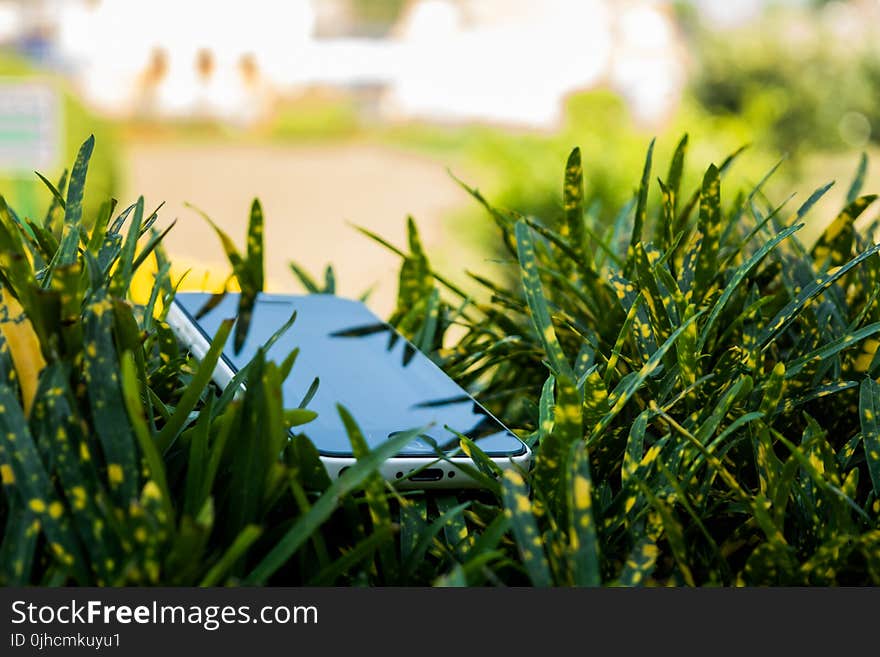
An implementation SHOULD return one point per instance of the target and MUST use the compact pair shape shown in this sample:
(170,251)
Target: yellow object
(24,347)
(197,277)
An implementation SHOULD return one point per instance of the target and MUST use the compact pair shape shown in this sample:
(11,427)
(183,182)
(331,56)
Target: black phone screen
(362,363)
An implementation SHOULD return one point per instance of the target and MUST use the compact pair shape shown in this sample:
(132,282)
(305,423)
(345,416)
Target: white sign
(30,127)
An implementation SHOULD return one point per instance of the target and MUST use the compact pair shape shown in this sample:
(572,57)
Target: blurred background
(341,112)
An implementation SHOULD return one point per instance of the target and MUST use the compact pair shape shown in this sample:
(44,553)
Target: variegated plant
(699,387)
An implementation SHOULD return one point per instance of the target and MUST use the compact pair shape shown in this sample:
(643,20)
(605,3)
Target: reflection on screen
(362,363)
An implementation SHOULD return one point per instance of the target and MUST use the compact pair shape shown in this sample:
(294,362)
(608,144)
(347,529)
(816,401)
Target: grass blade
(193,392)
(641,207)
(73,206)
(306,525)
(539,311)
(518,510)
(858,180)
(869,416)
(572,228)
(583,542)
(377,500)
(790,312)
(739,276)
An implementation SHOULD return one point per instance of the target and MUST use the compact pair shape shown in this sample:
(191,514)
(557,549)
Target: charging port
(428,474)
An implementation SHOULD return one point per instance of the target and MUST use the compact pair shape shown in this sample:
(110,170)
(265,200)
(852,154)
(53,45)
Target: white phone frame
(397,469)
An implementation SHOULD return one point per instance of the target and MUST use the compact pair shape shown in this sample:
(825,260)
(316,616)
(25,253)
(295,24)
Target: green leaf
(374,490)
(426,534)
(641,206)
(56,428)
(676,170)
(550,462)
(739,276)
(307,281)
(858,179)
(869,416)
(235,385)
(56,195)
(250,275)
(656,301)
(831,349)
(626,393)
(415,282)
(484,464)
(502,220)
(121,281)
(625,332)
(545,408)
(774,388)
(710,227)
(812,200)
(229,248)
(413,519)
(572,229)
(665,226)
(539,311)
(194,390)
(24,470)
(835,244)
(518,510)
(735,391)
(666,221)
(18,545)
(359,554)
(583,542)
(16,271)
(248,270)
(307,524)
(674,533)
(73,206)
(595,395)
(688,208)
(100,372)
(329,280)
(234,553)
(640,563)
(49,218)
(635,446)
(688,350)
(455,530)
(255,245)
(153,244)
(198,460)
(790,312)
(151,454)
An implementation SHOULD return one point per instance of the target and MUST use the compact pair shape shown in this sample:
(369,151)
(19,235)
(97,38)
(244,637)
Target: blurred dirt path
(309,193)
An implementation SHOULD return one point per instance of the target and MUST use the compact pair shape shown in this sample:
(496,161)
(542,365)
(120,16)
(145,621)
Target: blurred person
(204,68)
(113,63)
(147,97)
(258,96)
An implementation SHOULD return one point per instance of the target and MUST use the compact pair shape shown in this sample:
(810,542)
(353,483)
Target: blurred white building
(509,61)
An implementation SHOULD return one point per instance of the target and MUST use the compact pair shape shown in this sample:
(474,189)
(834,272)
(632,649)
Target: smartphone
(365,365)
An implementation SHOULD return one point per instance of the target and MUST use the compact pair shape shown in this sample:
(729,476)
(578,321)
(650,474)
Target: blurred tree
(358,18)
(793,80)
(378,12)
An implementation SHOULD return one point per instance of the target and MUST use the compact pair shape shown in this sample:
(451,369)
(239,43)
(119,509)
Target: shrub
(770,75)
(698,385)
